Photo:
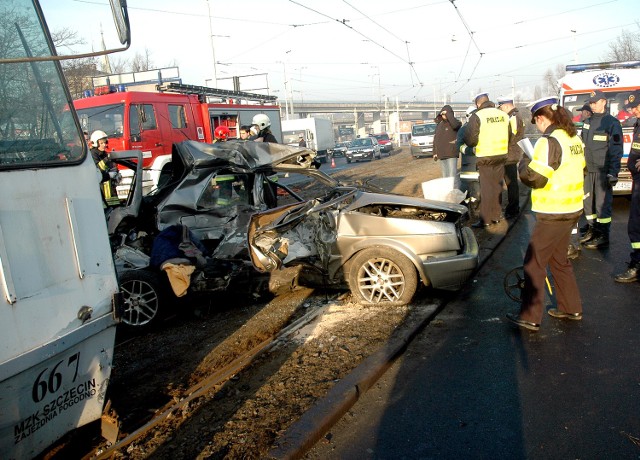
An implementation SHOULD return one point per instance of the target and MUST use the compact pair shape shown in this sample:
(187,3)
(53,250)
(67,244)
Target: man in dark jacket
(516,133)
(444,144)
(602,137)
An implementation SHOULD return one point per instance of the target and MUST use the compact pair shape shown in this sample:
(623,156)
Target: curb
(304,433)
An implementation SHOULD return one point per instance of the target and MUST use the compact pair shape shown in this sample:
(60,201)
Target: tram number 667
(50,382)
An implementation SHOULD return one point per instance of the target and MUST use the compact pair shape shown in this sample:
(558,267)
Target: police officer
(110,176)
(633,164)
(488,132)
(516,133)
(602,137)
(555,173)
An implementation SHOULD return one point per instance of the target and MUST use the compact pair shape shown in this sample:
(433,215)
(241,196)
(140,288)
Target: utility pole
(213,50)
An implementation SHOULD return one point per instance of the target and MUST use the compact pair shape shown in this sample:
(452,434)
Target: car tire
(146,296)
(348,160)
(382,276)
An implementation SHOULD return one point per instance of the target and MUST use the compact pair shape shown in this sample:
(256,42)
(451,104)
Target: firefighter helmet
(221,133)
(97,135)
(261,120)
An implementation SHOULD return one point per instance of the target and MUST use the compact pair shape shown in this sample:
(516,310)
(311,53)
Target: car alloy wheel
(144,297)
(382,276)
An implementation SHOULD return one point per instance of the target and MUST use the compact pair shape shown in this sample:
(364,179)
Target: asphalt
(303,434)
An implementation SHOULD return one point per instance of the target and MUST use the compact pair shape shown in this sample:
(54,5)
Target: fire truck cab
(153,121)
(617,80)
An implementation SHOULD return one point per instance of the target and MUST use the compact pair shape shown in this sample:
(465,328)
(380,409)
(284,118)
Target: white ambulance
(617,80)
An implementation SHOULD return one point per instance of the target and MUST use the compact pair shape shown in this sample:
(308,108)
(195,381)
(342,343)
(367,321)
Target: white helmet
(97,135)
(261,120)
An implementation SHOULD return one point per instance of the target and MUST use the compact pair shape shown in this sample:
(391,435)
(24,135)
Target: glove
(113,174)
(613,180)
(435,158)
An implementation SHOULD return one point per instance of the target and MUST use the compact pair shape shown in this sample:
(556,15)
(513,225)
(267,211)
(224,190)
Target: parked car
(363,148)
(422,139)
(340,149)
(240,219)
(384,140)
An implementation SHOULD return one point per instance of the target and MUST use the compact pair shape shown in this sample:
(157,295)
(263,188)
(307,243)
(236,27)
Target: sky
(360,50)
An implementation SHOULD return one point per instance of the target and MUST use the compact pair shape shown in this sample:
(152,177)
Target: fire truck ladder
(203,92)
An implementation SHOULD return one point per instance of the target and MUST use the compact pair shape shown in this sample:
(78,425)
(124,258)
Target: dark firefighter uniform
(488,132)
(633,226)
(602,137)
(516,134)
(107,184)
(555,175)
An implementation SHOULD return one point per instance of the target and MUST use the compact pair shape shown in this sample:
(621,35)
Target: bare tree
(142,61)
(66,38)
(550,83)
(624,48)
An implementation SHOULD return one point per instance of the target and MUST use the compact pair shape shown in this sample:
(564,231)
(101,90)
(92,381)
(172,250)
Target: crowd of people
(571,173)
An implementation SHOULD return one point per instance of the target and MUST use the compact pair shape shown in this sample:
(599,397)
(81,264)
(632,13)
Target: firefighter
(221,134)
(262,125)
(633,164)
(555,174)
(109,171)
(488,132)
(602,137)
(516,133)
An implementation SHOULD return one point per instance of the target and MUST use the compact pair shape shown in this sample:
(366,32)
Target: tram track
(212,383)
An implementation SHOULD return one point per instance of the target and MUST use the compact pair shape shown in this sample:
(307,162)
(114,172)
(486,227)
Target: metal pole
(213,50)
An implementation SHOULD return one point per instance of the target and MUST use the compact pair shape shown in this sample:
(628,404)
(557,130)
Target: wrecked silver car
(254,206)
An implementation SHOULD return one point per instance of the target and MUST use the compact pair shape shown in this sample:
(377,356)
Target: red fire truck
(154,121)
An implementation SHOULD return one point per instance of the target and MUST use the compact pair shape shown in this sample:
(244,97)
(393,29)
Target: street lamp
(286,89)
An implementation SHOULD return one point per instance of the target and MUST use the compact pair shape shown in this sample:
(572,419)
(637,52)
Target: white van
(422,139)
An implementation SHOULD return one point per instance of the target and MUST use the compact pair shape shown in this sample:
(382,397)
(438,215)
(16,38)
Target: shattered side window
(224,190)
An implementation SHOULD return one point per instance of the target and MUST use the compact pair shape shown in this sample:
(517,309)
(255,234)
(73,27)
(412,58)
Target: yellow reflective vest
(564,191)
(493,136)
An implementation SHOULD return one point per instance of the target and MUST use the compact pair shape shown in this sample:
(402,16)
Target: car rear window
(382,137)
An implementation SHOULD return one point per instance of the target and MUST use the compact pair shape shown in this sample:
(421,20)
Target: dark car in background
(386,145)
(363,148)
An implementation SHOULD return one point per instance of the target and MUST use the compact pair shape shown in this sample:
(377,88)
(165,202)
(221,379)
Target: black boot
(600,239)
(630,275)
(573,251)
(586,233)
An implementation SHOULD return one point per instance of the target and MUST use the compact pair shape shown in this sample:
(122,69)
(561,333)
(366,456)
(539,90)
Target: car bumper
(450,273)
(360,156)
(422,151)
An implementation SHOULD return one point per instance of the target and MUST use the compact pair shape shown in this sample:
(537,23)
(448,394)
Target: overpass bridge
(351,119)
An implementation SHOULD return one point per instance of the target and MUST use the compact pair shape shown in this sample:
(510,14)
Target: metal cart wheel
(514,283)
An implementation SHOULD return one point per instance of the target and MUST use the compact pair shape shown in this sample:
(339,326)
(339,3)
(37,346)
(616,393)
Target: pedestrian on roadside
(468,169)
(301,141)
(245,132)
(633,164)
(555,174)
(602,137)
(488,132)
(516,134)
(444,144)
